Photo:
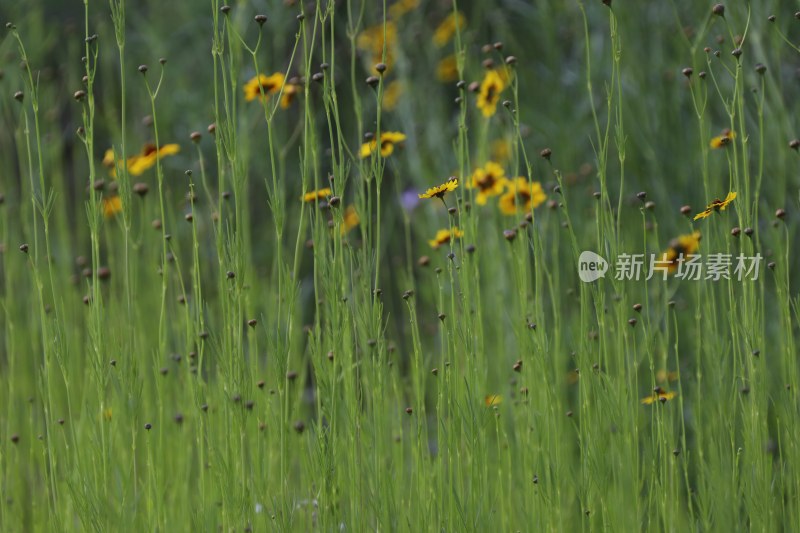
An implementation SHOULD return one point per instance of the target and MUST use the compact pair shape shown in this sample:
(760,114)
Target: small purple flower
(409,199)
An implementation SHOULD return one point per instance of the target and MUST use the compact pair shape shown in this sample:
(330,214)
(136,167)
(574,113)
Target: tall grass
(214,353)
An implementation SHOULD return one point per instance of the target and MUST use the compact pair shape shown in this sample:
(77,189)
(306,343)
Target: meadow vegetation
(286,265)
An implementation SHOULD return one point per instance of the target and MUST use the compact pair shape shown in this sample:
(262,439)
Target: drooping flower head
(522,196)
(716,206)
(444,236)
(388,141)
(489,181)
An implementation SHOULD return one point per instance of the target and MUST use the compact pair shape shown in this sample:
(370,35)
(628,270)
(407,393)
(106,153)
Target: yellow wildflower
(350,221)
(313,196)
(141,162)
(723,139)
(489,95)
(111,206)
(138,164)
(716,205)
(490,400)
(659,395)
(489,180)
(686,245)
(388,140)
(440,190)
(401,7)
(269,84)
(522,196)
(372,40)
(290,91)
(444,236)
(445,31)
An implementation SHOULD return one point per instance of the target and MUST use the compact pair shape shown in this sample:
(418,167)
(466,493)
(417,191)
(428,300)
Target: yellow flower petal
(319,194)
(111,206)
(490,400)
(440,190)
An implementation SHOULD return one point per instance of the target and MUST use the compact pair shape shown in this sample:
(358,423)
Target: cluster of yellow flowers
(516,196)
